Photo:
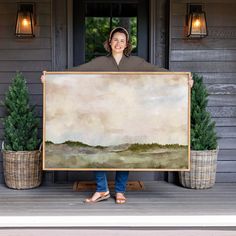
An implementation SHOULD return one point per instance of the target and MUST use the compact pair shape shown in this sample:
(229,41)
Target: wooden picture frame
(134,121)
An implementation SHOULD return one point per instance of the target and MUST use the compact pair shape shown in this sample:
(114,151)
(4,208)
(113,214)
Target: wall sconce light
(197,25)
(25,20)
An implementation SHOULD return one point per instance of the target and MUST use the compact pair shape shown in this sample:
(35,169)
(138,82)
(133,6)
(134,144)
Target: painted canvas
(116,121)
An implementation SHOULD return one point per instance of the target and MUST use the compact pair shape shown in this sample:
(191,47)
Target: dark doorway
(93,20)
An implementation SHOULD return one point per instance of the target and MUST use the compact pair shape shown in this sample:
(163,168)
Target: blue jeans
(120,181)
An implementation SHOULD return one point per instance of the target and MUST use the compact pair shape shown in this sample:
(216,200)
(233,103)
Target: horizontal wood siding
(213,57)
(29,56)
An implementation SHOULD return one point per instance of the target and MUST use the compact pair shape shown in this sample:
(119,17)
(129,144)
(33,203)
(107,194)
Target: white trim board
(119,221)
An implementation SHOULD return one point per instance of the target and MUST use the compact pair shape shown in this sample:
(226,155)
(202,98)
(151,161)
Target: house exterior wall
(51,50)
(29,56)
(213,57)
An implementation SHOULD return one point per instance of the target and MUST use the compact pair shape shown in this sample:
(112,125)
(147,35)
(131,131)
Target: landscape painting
(116,121)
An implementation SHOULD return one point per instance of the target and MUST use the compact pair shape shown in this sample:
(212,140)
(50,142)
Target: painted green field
(76,155)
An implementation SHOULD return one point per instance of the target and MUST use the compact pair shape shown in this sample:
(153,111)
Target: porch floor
(158,204)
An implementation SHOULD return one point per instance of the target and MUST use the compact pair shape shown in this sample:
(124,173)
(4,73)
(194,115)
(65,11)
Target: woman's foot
(120,198)
(97,197)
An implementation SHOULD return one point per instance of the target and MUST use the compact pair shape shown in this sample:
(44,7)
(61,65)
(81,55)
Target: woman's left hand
(190,81)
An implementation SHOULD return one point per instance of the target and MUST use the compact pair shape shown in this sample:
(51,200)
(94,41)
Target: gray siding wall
(29,56)
(214,57)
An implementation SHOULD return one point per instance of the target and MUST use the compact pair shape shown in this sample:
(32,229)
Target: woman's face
(118,42)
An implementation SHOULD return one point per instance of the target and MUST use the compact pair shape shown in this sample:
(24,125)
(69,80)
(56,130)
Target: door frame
(153,26)
(62,58)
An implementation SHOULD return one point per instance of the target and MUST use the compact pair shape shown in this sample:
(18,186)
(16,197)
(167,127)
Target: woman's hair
(127,50)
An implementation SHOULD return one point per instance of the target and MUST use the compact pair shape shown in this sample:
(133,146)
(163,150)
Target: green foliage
(203,135)
(20,124)
(143,147)
(49,142)
(75,143)
(97,31)
(132,147)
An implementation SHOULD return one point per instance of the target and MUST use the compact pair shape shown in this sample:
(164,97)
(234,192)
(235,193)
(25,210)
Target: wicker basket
(203,170)
(22,169)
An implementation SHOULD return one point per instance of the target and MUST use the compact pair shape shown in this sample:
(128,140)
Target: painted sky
(115,109)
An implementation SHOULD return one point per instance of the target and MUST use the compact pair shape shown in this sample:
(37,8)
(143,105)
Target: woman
(118,59)
(119,48)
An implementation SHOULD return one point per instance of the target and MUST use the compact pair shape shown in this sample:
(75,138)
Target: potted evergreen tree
(22,165)
(204,149)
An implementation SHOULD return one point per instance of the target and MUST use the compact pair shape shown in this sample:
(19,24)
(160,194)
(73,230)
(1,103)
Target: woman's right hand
(42,78)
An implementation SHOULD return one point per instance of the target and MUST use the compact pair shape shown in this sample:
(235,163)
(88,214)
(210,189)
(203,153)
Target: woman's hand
(191,81)
(42,78)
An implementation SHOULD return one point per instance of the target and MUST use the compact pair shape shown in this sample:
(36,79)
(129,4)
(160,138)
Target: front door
(93,20)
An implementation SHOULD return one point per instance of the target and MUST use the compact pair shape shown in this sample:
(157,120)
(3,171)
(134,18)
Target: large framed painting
(116,121)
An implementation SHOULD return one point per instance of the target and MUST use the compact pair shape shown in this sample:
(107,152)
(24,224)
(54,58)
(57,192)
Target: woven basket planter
(202,172)
(22,169)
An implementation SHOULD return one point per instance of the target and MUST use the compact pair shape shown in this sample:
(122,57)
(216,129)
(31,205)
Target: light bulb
(197,23)
(25,22)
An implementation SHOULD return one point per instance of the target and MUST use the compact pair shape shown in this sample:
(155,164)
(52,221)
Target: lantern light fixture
(25,20)
(197,25)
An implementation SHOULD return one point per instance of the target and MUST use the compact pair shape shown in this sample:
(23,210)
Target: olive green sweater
(108,63)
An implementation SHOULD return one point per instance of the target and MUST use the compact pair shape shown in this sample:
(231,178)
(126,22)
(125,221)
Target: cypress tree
(203,135)
(20,124)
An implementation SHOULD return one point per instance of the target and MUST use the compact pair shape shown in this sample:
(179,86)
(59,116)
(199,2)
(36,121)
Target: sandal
(121,199)
(101,196)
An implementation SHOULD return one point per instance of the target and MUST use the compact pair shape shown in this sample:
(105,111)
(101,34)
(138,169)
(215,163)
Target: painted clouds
(111,109)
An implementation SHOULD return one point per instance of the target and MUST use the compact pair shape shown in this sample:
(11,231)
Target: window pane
(97,29)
